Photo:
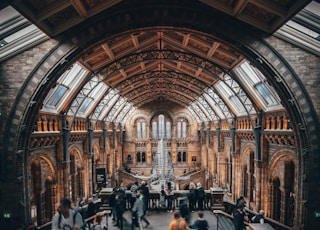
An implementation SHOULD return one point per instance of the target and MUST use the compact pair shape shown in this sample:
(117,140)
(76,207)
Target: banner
(101,176)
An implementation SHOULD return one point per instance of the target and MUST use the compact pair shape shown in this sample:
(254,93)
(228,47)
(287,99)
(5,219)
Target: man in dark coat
(239,218)
(145,192)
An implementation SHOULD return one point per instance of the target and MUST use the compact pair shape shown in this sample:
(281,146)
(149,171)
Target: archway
(69,51)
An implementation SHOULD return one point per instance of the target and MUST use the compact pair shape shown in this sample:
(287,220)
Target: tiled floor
(161,219)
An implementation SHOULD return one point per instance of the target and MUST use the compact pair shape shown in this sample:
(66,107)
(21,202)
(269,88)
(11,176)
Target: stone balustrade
(213,199)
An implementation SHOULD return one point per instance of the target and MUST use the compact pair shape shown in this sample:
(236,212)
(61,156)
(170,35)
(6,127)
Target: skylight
(303,29)
(17,33)
(65,86)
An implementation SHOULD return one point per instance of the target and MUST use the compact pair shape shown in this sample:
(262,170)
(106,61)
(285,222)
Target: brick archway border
(256,49)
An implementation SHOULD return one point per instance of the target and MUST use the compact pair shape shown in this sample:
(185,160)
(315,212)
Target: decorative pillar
(65,139)
(258,171)
(65,158)
(91,153)
(236,176)
(257,136)
(231,123)
(122,133)
(218,138)
(208,135)
(105,136)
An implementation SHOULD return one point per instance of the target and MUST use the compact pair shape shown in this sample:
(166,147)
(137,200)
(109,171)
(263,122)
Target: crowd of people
(139,202)
(68,217)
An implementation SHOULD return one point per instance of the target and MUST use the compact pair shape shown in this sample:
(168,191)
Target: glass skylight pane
(302,29)
(85,105)
(76,73)
(257,84)
(57,95)
(97,91)
(8,13)
(237,104)
(265,94)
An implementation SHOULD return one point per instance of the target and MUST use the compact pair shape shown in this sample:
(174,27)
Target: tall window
(168,129)
(141,130)
(138,130)
(144,130)
(154,130)
(181,129)
(184,129)
(161,127)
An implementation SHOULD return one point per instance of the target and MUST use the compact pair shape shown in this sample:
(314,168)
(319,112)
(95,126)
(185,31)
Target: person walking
(66,218)
(112,202)
(119,207)
(145,192)
(178,223)
(170,197)
(90,212)
(162,199)
(138,210)
(200,196)
(134,189)
(184,209)
(192,197)
(200,223)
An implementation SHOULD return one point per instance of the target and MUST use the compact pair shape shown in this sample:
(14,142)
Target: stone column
(258,184)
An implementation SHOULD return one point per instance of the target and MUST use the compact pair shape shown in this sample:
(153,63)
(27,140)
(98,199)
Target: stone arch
(96,151)
(166,113)
(248,172)
(76,173)
(257,50)
(137,116)
(48,158)
(229,183)
(40,194)
(184,115)
(284,167)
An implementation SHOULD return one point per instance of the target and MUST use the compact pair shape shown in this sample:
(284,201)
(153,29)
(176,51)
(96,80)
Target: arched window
(161,126)
(138,131)
(181,128)
(143,157)
(144,130)
(168,130)
(138,157)
(184,157)
(141,130)
(184,129)
(179,156)
(154,130)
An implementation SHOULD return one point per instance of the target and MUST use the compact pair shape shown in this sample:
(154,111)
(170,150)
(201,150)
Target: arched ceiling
(175,64)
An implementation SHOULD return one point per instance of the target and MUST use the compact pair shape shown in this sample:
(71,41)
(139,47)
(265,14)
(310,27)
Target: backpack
(203,225)
(75,212)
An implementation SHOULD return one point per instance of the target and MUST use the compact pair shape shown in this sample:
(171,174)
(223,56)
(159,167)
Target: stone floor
(161,219)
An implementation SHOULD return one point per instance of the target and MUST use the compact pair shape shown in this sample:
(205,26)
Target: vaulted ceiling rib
(174,64)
